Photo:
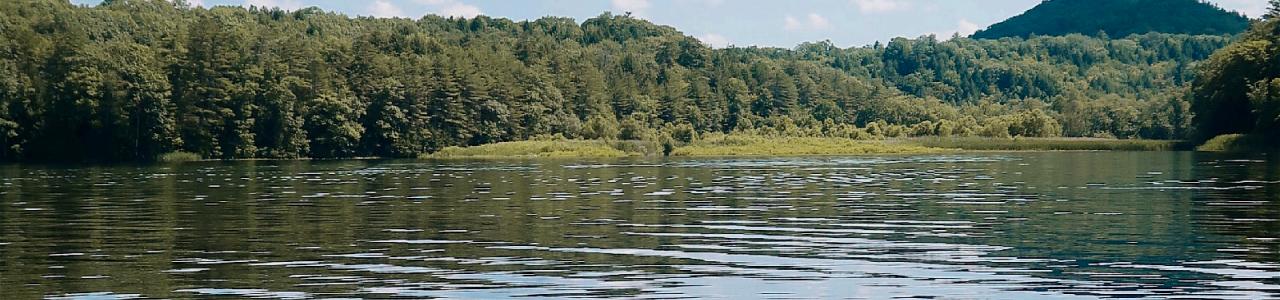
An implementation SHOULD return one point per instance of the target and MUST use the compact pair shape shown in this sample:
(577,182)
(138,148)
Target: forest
(1237,91)
(130,80)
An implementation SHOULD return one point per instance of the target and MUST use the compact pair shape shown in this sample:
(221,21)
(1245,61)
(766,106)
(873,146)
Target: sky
(721,23)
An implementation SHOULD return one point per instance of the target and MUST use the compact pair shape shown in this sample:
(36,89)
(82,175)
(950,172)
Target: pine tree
(1273,11)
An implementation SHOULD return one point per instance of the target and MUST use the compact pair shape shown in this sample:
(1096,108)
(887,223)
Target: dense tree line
(131,79)
(1118,18)
(1238,88)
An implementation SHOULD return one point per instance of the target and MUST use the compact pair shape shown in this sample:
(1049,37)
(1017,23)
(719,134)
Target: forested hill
(1118,18)
(132,79)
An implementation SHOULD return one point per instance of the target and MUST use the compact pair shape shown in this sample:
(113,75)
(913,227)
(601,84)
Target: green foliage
(331,123)
(1118,18)
(1264,101)
(1042,144)
(1221,92)
(601,127)
(1033,123)
(1238,90)
(1274,10)
(130,80)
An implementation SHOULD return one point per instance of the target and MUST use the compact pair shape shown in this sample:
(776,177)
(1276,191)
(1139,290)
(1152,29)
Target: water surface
(980,226)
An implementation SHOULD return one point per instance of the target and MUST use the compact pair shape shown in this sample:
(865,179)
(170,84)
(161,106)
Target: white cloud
(792,24)
(966,28)
(282,4)
(1251,8)
(963,28)
(384,9)
(452,8)
(193,3)
(637,7)
(711,3)
(714,40)
(881,6)
(818,21)
(813,21)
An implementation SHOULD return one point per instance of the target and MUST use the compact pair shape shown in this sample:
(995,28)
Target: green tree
(1273,11)
(280,120)
(1264,101)
(332,126)
(1221,91)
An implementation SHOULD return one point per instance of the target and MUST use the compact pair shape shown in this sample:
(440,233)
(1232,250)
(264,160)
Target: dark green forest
(1118,18)
(1238,90)
(133,79)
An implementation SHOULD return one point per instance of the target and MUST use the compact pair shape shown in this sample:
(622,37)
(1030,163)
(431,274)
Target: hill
(1119,18)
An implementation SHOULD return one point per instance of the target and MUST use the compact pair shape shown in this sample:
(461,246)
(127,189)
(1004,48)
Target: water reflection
(1011,226)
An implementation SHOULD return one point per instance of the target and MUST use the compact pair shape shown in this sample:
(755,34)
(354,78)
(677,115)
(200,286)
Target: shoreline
(740,146)
(765,146)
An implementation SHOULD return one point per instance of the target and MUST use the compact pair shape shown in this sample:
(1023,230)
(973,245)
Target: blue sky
(778,23)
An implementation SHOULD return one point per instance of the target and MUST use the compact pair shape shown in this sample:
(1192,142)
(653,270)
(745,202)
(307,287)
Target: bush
(684,133)
(635,129)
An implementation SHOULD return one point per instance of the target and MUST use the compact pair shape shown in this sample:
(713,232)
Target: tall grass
(1042,144)
(174,157)
(560,148)
(753,145)
(768,145)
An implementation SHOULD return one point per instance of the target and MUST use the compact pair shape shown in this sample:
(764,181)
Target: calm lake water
(973,226)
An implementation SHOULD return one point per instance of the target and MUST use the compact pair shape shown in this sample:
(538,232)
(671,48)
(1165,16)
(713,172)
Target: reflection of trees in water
(155,219)
(1249,218)
(1091,208)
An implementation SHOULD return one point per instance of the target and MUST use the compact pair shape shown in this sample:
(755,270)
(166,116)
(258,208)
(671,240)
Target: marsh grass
(751,145)
(550,149)
(1042,144)
(765,145)
(174,157)
(1237,143)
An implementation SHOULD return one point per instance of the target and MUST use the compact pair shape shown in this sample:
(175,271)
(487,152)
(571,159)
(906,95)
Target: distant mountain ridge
(1118,18)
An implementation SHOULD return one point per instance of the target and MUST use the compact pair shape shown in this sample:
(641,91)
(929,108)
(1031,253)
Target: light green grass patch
(174,157)
(1042,144)
(745,145)
(1238,143)
(545,149)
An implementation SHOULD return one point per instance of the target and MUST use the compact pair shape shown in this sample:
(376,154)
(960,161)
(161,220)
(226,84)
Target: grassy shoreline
(795,146)
(747,145)
(753,145)
(550,149)
(1045,144)
(1239,143)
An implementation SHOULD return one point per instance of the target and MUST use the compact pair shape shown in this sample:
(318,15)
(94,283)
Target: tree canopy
(1238,88)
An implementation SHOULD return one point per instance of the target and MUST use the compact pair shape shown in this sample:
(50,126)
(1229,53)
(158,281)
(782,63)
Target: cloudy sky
(729,22)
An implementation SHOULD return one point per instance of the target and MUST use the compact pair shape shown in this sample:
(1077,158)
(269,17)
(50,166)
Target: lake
(969,226)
